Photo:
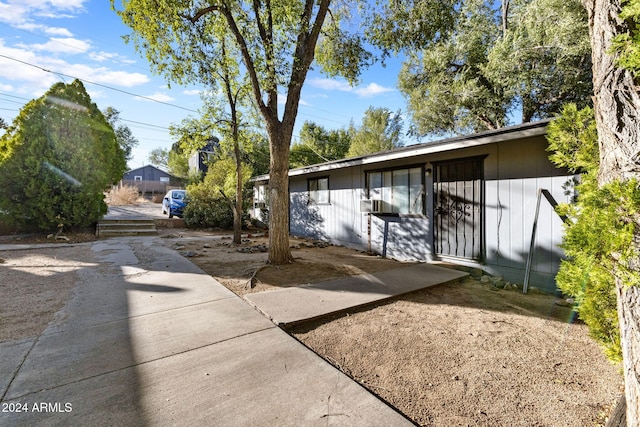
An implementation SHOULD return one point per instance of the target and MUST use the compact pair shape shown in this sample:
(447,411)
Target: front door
(457,190)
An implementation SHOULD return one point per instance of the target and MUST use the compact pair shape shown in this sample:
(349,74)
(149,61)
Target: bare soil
(462,354)
(35,284)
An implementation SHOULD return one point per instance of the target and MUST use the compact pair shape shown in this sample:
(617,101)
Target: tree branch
(199,14)
(305,52)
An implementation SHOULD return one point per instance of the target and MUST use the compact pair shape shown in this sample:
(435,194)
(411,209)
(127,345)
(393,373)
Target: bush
(598,239)
(206,208)
(122,196)
(56,161)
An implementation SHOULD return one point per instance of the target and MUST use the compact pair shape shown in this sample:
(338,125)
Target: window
(318,190)
(260,196)
(137,178)
(401,190)
(164,179)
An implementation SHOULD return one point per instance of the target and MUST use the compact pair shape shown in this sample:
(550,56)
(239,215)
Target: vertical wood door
(458,187)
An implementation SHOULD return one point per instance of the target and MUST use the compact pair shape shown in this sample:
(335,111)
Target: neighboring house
(150,180)
(470,200)
(199,159)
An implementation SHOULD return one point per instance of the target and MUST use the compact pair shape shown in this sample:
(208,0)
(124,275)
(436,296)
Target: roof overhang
(506,134)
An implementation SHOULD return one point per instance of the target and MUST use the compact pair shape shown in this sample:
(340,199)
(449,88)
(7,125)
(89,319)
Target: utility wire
(98,84)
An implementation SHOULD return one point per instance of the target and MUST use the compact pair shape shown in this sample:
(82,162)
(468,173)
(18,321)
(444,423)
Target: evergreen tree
(57,159)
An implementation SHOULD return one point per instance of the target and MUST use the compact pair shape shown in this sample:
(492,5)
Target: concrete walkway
(150,339)
(139,211)
(293,305)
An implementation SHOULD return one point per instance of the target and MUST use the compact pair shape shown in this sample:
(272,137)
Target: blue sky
(83,39)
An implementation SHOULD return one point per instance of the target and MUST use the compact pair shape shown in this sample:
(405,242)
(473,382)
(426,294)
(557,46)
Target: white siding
(513,173)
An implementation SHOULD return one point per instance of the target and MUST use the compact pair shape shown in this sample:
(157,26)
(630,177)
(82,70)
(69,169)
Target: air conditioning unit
(372,206)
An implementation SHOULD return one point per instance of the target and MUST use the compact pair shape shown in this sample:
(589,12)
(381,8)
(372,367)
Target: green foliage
(317,145)
(178,164)
(172,160)
(125,137)
(544,66)
(397,25)
(480,63)
(627,44)
(380,131)
(598,239)
(57,159)
(446,85)
(159,157)
(210,201)
(573,140)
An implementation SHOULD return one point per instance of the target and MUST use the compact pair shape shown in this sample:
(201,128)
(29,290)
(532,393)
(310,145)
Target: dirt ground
(462,354)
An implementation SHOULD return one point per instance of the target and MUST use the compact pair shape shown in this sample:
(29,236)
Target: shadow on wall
(403,238)
(305,219)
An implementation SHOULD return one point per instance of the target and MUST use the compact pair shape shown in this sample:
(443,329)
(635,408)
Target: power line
(145,124)
(14,96)
(120,119)
(98,84)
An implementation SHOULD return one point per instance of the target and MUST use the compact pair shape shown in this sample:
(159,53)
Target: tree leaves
(380,131)
(472,66)
(59,157)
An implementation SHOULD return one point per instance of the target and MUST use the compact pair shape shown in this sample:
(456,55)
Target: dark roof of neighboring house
(148,166)
(488,137)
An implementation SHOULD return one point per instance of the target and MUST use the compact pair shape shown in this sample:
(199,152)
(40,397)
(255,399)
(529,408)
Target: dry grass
(121,196)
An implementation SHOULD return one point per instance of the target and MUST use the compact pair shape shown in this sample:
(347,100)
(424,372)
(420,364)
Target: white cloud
(109,56)
(58,31)
(191,92)
(96,93)
(161,97)
(111,77)
(282,99)
(67,45)
(20,13)
(370,90)
(328,84)
(34,80)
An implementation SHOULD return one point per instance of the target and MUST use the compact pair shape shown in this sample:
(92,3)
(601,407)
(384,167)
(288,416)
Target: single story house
(150,180)
(470,200)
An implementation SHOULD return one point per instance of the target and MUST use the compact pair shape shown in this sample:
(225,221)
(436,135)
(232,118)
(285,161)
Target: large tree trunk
(279,251)
(617,109)
(237,208)
(629,318)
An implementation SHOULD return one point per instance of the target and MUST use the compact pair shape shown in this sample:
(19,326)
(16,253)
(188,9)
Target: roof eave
(511,133)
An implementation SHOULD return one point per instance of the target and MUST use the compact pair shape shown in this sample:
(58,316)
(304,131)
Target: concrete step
(126,227)
(123,225)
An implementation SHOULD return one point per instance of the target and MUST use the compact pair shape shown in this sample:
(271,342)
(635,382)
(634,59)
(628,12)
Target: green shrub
(598,239)
(207,209)
(208,206)
(56,160)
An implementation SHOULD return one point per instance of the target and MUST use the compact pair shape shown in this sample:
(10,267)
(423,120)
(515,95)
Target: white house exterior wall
(513,173)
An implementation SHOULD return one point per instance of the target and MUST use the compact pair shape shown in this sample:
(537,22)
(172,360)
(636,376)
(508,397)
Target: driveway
(140,211)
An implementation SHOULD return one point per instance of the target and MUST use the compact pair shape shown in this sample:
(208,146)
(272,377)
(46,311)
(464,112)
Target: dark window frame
(316,200)
(423,201)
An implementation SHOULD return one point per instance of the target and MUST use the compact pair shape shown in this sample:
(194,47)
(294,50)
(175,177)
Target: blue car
(174,202)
